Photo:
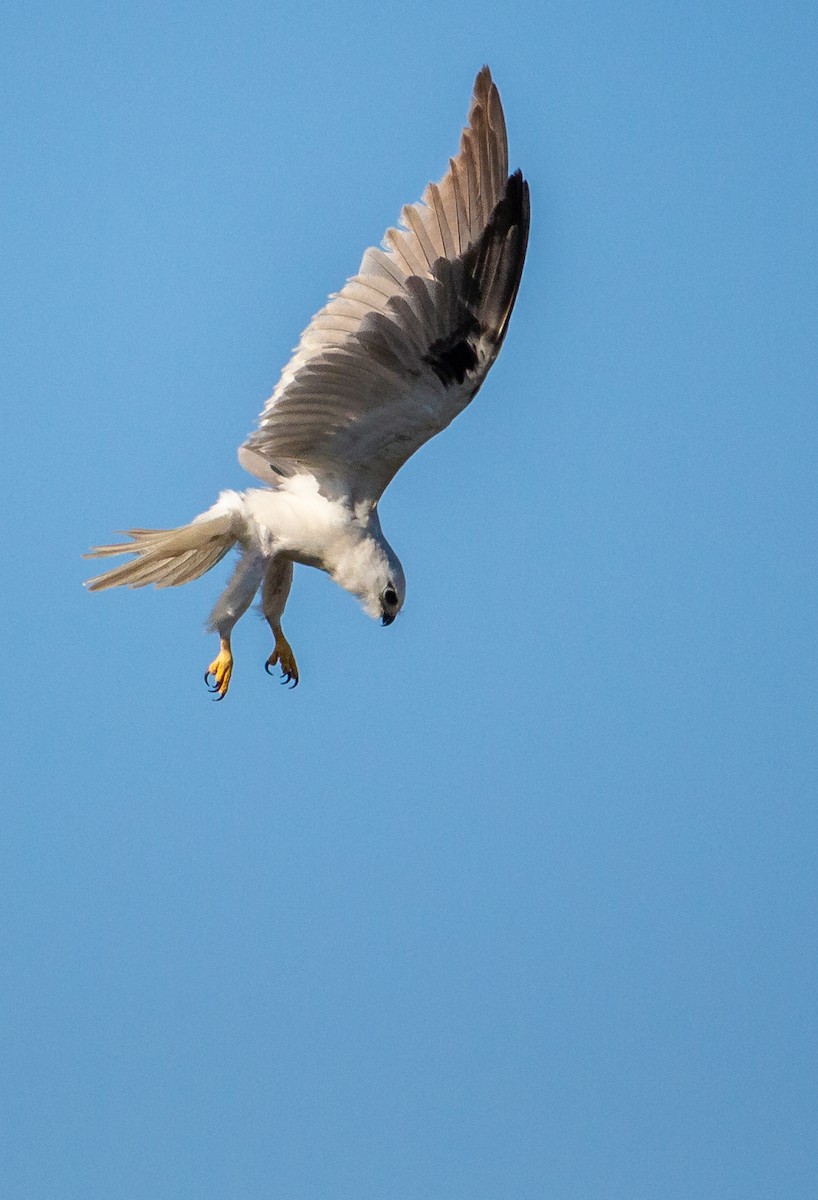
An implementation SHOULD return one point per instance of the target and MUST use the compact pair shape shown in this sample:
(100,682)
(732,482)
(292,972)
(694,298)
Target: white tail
(167,557)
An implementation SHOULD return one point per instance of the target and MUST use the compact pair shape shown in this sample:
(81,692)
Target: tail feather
(167,557)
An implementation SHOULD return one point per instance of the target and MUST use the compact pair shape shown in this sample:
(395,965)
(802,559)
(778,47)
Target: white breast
(298,521)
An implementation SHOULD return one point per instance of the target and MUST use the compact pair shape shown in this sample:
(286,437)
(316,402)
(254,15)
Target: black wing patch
(452,358)
(491,270)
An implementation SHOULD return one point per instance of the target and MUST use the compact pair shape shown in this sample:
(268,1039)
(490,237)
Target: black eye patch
(390,596)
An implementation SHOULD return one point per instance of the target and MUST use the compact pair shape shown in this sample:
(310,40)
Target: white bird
(387,364)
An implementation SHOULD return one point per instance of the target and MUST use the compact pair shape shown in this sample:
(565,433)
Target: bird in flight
(388,363)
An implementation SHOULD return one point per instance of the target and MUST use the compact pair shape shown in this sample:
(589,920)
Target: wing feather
(406,252)
(403,347)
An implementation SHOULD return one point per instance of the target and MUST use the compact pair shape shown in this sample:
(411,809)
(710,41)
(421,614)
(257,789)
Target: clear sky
(516,898)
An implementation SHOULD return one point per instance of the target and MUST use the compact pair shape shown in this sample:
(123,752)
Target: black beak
(388,618)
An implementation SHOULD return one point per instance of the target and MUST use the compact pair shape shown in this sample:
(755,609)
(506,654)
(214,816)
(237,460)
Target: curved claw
(284,658)
(220,672)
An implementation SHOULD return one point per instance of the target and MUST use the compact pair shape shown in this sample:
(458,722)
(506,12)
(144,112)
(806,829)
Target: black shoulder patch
(453,357)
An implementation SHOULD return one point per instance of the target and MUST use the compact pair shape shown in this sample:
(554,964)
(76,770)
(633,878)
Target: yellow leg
(283,655)
(220,670)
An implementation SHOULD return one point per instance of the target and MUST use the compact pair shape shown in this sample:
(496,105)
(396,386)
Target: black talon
(268,668)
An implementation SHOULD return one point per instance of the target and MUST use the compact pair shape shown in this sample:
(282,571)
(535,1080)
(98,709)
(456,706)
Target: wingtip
(515,204)
(483,82)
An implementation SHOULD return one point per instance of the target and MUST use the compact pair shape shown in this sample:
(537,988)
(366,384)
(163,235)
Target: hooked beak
(387,618)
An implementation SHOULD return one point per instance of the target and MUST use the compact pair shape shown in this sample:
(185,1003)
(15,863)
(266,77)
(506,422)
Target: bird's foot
(283,655)
(219,672)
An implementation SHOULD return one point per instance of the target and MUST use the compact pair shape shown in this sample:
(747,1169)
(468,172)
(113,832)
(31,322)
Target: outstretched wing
(405,345)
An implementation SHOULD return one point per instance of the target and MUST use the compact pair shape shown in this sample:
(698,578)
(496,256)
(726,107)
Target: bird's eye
(390,596)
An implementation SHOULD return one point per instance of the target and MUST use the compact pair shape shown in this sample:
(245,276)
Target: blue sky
(518,896)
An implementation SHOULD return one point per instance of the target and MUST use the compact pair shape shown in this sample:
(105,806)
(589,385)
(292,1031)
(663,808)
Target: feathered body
(388,363)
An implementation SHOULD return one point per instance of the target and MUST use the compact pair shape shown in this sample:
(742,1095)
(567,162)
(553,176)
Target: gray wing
(405,345)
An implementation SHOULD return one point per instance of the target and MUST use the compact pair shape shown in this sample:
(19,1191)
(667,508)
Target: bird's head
(392,595)
(370,570)
(383,586)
